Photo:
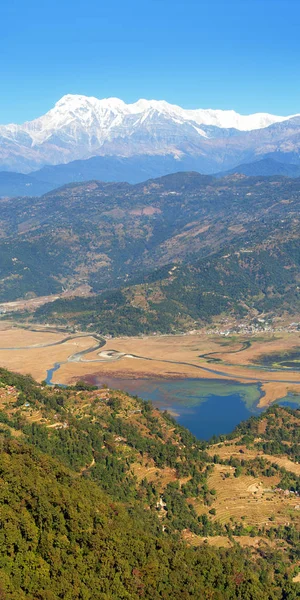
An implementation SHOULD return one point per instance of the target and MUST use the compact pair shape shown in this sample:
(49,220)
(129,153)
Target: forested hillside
(109,235)
(262,277)
(104,497)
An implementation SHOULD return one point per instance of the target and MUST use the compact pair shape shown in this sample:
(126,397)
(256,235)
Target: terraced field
(249,499)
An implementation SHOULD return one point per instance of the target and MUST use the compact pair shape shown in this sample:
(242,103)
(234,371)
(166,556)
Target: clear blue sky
(241,54)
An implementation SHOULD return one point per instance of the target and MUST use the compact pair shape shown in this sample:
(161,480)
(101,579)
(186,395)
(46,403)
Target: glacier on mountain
(79,127)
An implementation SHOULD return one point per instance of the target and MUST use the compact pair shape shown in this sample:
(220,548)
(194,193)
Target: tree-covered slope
(98,492)
(106,235)
(267,167)
(62,538)
(261,276)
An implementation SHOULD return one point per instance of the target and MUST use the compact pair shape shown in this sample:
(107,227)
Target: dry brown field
(186,349)
(154,357)
(261,344)
(36,360)
(220,541)
(227,450)
(248,499)
(31,304)
(153,474)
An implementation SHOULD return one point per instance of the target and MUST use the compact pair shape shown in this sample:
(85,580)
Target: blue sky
(236,54)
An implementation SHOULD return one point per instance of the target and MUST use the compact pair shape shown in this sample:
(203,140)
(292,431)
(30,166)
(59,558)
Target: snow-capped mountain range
(80,127)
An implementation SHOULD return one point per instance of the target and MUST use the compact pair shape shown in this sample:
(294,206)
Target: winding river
(197,403)
(115,355)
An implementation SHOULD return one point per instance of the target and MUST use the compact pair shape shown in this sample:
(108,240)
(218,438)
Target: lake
(206,407)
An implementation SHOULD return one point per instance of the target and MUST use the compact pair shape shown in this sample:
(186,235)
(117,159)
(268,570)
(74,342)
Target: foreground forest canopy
(103,497)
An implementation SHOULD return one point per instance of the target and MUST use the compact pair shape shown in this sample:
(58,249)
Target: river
(206,407)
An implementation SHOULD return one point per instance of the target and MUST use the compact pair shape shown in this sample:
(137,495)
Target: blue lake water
(217,415)
(51,372)
(206,407)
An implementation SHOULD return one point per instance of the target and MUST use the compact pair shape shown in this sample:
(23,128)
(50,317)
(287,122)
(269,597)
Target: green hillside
(99,491)
(108,235)
(241,281)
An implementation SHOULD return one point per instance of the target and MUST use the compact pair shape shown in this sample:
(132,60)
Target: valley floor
(201,356)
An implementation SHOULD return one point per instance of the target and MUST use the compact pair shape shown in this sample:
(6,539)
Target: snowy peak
(83,107)
(74,103)
(79,127)
(229,119)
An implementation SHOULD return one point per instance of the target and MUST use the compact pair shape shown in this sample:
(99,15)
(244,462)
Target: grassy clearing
(220,541)
(227,450)
(248,499)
